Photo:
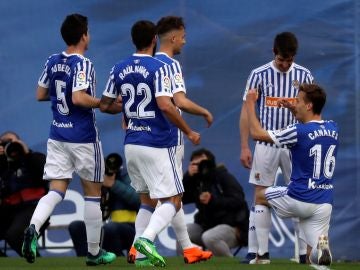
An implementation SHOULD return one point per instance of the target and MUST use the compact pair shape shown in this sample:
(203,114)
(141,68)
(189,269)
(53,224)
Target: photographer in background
(120,202)
(222,220)
(21,187)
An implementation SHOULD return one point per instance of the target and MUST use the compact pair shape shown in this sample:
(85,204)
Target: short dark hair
(142,34)
(285,44)
(9,132)
(73,28)
(169,23)
(314,94)
(203,151)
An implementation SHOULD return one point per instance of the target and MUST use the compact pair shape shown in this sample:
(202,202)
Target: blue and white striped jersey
(139,79)
(178,84)
(313,148)
(64,74)
(272,85)
(175,67)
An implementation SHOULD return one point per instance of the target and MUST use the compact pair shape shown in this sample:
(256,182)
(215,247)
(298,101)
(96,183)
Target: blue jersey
(64,74)
(313,147)
(178,84)
(139,80)
(272,85)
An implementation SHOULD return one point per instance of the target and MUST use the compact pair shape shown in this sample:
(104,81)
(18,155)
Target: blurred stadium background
(225,40)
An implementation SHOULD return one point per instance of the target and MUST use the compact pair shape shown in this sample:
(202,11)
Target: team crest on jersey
(257,176)
(137,61)
(296,84)
(81,77)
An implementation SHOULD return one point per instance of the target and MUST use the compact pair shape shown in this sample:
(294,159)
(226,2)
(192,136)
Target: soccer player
(171,33)
(68,81)
(277,79)
(313,145)
(144,84)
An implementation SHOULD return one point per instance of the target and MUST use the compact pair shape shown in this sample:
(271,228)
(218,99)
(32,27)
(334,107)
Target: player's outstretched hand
(194,137)
(286,104)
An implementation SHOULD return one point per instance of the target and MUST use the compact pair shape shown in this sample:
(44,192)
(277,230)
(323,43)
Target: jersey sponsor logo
(312,185)
(273,101)
(131,126)
(62,125)
(81,77)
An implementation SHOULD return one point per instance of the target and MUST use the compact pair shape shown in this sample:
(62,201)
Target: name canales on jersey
(323,132)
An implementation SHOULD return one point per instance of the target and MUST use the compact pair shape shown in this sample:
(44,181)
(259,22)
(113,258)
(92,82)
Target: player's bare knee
(175,200)
(260,195)
(91,188)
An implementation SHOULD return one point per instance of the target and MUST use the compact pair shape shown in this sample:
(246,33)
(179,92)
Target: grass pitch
(172,263)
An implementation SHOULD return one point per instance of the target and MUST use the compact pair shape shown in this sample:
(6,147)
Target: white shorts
(314,218)
(179,158)
(266,161)
(154,170)
(63,159)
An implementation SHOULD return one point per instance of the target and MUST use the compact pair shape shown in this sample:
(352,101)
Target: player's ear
(309,106)
(84,37)
(154,41)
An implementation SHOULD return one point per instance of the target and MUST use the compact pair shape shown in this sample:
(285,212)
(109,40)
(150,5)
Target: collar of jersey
(163,53)
(69,54)
(141,55)
(276,69)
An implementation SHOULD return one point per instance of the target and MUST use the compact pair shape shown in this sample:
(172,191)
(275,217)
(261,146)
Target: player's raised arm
(256,131)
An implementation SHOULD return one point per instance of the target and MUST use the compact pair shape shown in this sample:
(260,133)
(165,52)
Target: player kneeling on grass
(313,143)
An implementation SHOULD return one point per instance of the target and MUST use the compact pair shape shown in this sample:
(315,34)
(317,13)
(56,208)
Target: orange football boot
(195,254)
(131,255)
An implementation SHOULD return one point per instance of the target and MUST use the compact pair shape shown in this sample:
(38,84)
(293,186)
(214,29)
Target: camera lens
(113,161)
(14,151)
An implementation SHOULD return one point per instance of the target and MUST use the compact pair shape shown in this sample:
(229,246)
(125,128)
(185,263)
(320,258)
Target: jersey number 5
(62,107)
